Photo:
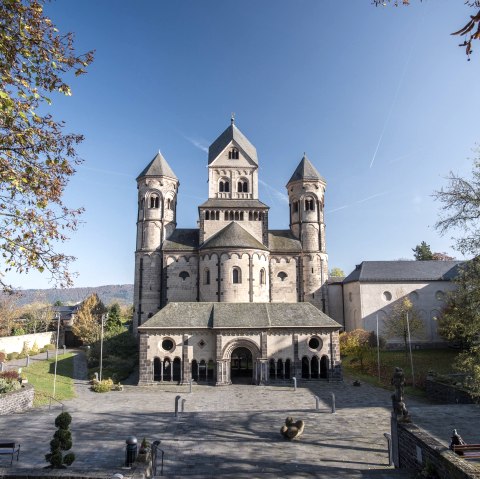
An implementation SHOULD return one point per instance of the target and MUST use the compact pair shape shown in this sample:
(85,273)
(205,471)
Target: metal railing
(155,449)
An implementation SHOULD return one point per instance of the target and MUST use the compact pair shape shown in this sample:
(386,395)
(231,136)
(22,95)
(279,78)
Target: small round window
(414,296)
(315,343)
(387,296)
(167,344)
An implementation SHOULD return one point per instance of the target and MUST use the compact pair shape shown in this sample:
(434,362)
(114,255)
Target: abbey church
(232,300)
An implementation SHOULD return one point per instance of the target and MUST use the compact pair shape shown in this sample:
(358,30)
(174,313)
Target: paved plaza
(233,431)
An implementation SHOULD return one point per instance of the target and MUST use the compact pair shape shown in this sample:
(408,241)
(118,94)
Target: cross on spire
(232,118)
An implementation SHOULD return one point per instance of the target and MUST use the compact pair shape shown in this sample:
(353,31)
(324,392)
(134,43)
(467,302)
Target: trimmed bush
(103,386)
(62,441)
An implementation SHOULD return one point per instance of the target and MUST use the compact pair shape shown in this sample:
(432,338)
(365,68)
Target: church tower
(157,204)
(306,192)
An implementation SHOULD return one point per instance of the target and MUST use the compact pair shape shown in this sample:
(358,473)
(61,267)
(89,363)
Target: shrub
(35,349)
(103,386)
(11,375)
(18,332)
(25,350)
(6,385)
(62,441)
(3,356)
(12,356)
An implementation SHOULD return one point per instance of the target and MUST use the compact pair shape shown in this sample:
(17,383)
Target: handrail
(50,400)
(155,448)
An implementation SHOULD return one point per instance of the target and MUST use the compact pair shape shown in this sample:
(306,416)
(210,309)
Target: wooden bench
(468,451)
(9,448)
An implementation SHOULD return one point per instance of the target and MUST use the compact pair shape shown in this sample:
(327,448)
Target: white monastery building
(232,300)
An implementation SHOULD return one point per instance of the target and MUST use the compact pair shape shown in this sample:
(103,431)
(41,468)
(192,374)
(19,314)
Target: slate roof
(382,271)
(234,203)
(232,133)
(305,171)
(280,241)
(233,236)
(239,315)
(182,240)
(158,167)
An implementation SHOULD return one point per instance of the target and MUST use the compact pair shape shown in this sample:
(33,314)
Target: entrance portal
(241,366)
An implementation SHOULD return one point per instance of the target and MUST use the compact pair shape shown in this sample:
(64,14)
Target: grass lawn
(424,360)
(41,373)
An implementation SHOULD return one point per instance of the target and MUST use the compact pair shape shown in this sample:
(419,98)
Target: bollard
(388,437)
(177,398)
(64,349)
(333,403)
(28,361)
(96,376)
(2,366)
(294,384)
(183,404)
(317,403)
(130,451)
(191,381)
(47,354)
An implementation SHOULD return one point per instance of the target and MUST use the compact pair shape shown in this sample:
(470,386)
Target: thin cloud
(338,209)
(200,144)
(277,194)
(376,195)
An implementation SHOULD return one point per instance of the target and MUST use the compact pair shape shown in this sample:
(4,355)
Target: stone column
(186,370)
(296,365)
(145,366)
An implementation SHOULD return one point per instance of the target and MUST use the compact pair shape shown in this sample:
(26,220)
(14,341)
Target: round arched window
(167,344)
(387,296)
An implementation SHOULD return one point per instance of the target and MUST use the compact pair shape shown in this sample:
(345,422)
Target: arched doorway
(157,374)
(305,368)
(241,366)
(324,367)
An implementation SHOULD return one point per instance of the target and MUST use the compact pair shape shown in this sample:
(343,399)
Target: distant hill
(115,293)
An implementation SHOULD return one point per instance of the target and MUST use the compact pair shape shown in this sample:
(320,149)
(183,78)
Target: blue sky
(382,100)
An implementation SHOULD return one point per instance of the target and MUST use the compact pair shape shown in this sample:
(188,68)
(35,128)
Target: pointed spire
(232,119)
(158,167)
(305,171)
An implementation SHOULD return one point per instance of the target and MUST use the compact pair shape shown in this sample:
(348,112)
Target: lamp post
(410,347)
(56,354)
(378,352)
(101,349)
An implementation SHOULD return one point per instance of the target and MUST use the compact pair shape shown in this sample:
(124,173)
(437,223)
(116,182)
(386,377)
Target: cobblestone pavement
(231,431)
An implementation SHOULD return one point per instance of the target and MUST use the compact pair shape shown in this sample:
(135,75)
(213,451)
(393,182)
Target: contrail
(376,195)
(197,144)
(278,194)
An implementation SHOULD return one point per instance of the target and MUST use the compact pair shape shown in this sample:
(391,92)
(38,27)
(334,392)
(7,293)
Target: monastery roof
(382,271)
(283,241)
(232,133)
(182,240)
(305,171)
(239,315)
(233,236)
(158,167)
(234,203)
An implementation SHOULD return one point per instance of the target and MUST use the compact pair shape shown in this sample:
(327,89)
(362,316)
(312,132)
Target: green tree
(87,321)
(337,273)
(422,252)
(402,319)
(470,31)
(37,157)
(357,344)
(114,317)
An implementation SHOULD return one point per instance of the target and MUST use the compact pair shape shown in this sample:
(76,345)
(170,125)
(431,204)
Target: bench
(468,451)
(9,448)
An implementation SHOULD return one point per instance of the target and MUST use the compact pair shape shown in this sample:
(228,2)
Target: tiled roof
(182,240)
(305,171)
(158,167)
(240,315)
(233,236)
(280,241)
(231,133)
(382,271)
(234,203)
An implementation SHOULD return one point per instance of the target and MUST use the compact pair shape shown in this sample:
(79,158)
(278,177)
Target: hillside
(115,293)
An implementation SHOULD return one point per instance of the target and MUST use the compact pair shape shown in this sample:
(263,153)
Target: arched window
(309,204)
(236,275)
(207,276)
(242,186)
(169,204)
(184,275)
(142,204)
(207,215)
(154,201)
(262,276)
(221,187)
(295,206)
(233,154)
(282,275)
(241,215)
(224,185)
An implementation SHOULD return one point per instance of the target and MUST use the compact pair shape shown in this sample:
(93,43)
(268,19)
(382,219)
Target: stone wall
(446,393)
(14,344)
(17,401)
(416,448)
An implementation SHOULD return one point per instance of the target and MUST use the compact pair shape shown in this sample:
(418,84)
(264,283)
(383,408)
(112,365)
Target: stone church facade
(232,300)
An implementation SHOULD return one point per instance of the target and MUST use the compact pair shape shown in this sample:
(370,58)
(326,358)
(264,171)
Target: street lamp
(410,346)
(378,352)
(56,354)
(101,348)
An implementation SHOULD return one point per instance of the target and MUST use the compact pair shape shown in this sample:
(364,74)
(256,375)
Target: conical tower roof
(158,167)
(305,171)
(232,133)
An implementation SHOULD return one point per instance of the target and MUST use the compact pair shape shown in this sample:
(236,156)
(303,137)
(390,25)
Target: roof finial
(232,118)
